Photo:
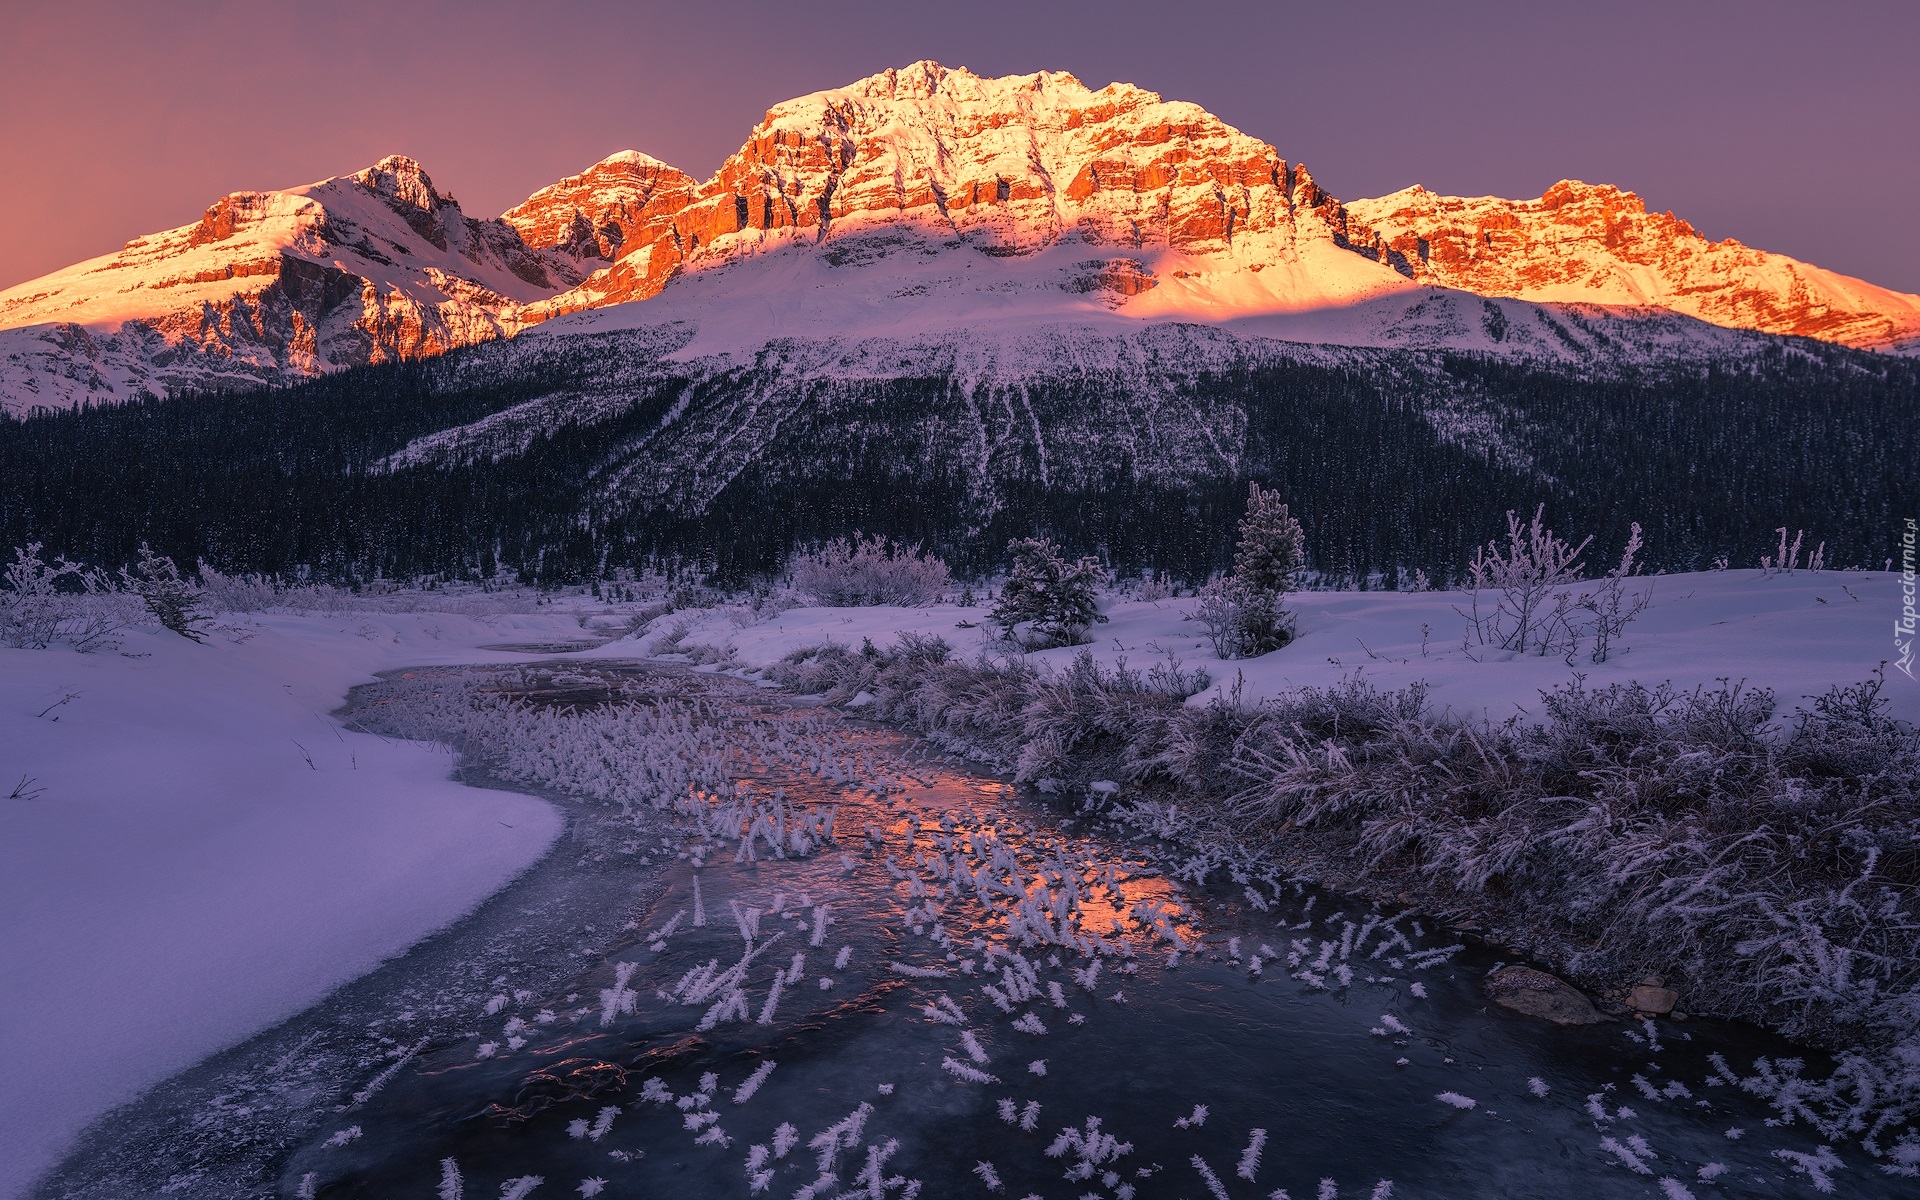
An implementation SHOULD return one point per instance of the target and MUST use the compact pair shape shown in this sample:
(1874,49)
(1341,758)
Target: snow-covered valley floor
(1797,634)
(213,852)
(200,850)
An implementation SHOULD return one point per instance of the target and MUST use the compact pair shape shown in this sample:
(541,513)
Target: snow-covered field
(1797,634)
(181,877)
(202,851)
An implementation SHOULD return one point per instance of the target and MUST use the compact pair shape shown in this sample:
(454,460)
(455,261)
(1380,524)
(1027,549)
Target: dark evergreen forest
(1709,459)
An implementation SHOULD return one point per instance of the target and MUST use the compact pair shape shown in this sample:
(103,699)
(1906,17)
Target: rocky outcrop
(1594,244)
(621,202)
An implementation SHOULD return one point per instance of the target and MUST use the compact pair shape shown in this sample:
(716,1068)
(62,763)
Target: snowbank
(1797,634)
(183,878)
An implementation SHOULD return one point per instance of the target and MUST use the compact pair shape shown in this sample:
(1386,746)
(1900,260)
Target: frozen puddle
(870,973)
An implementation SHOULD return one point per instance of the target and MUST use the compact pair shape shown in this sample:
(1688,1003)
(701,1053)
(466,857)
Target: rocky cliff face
(1586,244)
(1000,166)
(619,204)
(924,191)
(265,286)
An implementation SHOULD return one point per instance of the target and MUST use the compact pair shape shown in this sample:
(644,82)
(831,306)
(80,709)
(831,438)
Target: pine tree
(1245,612)
(1056,599)
(1272,546)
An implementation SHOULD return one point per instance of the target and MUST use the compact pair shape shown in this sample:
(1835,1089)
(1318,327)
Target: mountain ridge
(921,199)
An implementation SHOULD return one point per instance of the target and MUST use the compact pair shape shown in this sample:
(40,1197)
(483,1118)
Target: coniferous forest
(1395,462)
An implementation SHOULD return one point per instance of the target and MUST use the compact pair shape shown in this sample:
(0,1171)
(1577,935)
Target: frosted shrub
(1056,600)
(1232,612)
(42,602)
(1772,878)
(1152,585)
(237,593)
(1535,607)
(1786,559)
(31,607)
(1244,613)
(866,571)
(1529,608)
(172,600)
(1611,606)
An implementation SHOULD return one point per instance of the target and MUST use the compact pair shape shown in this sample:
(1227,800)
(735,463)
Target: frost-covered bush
(31,605)
(1786,559)
(848,573)
(1611,605)
(1236,616)
(1055,600)
(43,602)
(1527,579)
(171,599)
(1536,607)
(1244,612)
(1151,585)
(1007,712)
(223,593)
(1771,878)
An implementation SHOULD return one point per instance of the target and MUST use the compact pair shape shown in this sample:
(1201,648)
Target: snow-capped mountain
(996,167)
(268,286)
(1597,245)
(923,205)
(619,204)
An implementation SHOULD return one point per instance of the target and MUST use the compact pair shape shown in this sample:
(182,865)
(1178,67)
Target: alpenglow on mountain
(913,206)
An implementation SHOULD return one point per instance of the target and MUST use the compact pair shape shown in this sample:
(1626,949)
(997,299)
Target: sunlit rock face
(918,178)
(1595,244)
(620,203)
(1005,166)
(363,268)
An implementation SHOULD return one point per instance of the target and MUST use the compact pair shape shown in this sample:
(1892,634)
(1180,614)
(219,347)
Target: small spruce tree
(1058,600)
(1245,612)
(1272,547)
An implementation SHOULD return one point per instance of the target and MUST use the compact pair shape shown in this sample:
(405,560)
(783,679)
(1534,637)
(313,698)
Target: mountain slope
(1003,167)
(569,457)
(921,204)
(1586,244)
(266,286)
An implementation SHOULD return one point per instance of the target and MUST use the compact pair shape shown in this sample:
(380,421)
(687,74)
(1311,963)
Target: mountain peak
(1597,244)
(1575,191)
(400,181)
(600,214)
(629,159)
(1005,166)
(925,79)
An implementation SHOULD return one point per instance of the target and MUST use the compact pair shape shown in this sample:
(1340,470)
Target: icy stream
(873,973)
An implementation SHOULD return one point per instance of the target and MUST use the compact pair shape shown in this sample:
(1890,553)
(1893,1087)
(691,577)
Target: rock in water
(1539,994)
(1656,1000)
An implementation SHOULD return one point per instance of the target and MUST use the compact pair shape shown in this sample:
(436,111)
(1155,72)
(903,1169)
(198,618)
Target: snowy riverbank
(1797,634)
(206,852)
(182,876)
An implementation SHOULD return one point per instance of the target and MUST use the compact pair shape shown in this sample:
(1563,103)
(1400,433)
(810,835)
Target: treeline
(635,463)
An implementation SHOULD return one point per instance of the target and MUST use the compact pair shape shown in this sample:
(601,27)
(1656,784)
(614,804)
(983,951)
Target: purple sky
(1792,127)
